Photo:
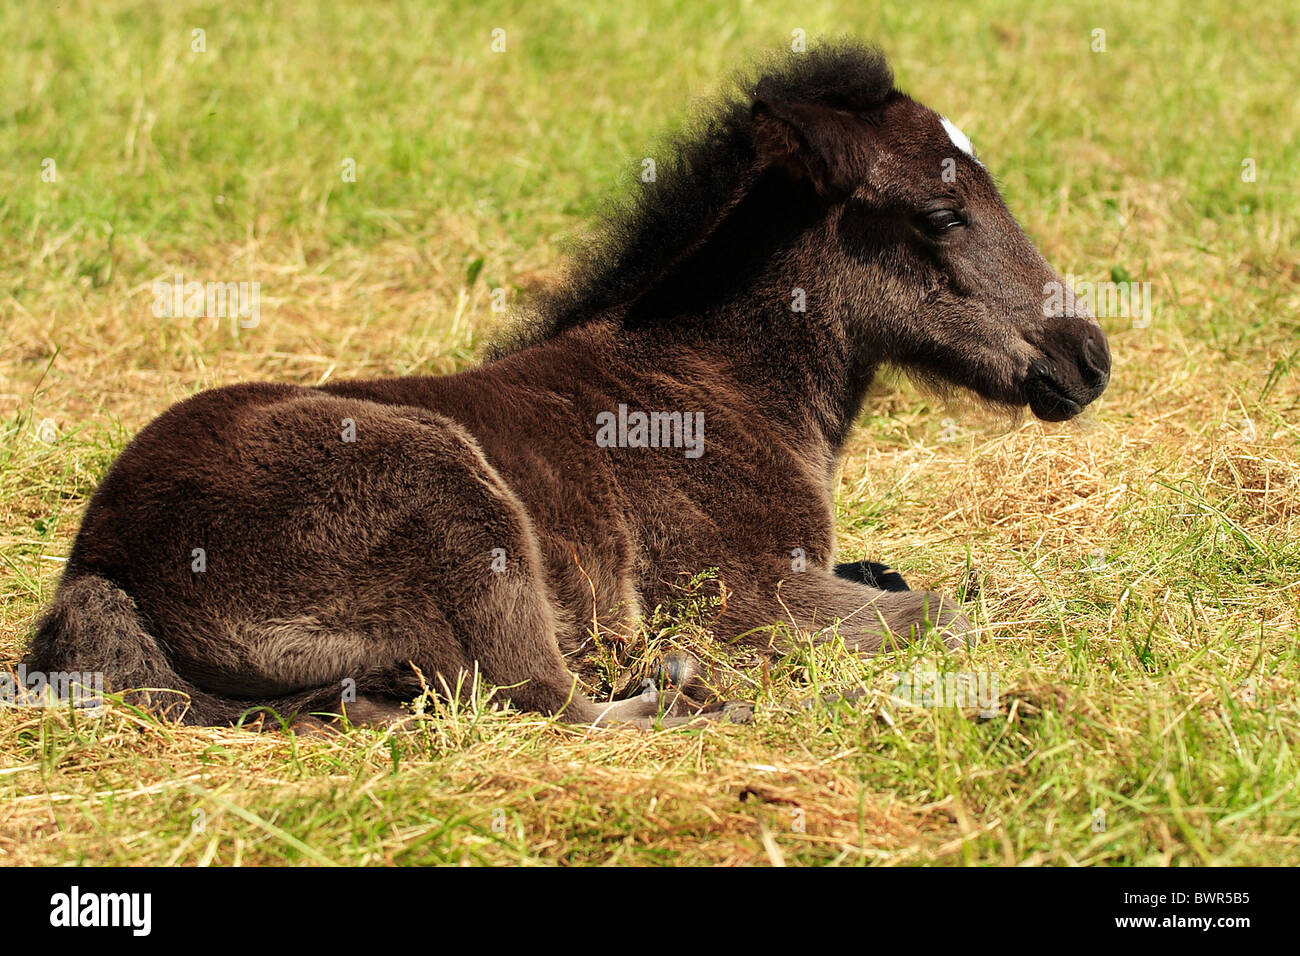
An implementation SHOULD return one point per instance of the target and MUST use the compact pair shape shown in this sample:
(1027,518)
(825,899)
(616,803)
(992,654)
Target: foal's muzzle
(1074,369)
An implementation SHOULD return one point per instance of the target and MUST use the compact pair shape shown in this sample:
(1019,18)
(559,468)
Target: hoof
(731,711)
(874,575)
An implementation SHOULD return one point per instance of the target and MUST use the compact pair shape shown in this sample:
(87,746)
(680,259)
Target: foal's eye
(941,220)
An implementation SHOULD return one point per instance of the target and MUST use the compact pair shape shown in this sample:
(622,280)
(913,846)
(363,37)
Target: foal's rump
(276,544)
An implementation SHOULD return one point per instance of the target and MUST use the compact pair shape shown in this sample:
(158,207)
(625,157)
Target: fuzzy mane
(708,168)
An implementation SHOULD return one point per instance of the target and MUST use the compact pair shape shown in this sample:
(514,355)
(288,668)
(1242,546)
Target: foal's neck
(797,369)
(756,299)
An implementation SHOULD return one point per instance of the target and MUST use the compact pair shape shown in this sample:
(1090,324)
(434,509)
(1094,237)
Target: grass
(1136,575)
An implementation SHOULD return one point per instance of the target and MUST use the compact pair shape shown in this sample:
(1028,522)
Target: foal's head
(825,175)
(931,270)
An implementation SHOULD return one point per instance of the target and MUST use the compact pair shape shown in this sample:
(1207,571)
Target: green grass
(1136,576)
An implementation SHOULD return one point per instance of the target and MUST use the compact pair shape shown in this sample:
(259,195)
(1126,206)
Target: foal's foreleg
(868,619)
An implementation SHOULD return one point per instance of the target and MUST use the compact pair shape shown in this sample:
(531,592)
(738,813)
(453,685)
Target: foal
(679,404)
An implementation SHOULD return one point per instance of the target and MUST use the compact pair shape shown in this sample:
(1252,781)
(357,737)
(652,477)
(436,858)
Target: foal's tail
(93,627)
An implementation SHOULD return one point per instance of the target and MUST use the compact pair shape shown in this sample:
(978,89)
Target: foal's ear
(826,145)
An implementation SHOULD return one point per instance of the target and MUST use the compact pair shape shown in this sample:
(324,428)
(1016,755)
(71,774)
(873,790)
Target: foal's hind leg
(470,555)
(670,708)
(401,554)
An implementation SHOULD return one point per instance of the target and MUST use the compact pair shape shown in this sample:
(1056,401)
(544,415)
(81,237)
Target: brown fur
(332,562)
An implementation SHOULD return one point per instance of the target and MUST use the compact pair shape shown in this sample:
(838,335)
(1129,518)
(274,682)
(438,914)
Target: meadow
(391,181)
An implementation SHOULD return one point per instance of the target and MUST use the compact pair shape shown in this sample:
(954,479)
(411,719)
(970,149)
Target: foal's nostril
(1096,361)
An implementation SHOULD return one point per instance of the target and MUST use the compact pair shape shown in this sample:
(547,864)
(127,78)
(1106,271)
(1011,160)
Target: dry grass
(1135,576)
